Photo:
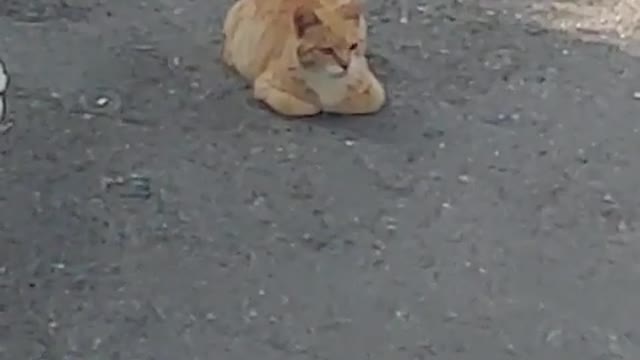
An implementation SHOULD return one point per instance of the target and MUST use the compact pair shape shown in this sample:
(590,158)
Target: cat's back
(255,32)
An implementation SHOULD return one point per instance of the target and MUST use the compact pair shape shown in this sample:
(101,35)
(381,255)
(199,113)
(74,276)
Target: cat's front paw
(367,98)
(282,102)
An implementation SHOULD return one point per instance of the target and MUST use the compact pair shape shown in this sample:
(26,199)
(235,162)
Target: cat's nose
(344,64)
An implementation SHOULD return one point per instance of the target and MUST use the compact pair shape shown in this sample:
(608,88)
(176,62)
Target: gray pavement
(150,210)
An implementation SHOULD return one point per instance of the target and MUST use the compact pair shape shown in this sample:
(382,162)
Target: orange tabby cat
(303,56)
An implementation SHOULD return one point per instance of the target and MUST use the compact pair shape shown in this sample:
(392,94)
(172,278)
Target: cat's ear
(303,19)
(352,10)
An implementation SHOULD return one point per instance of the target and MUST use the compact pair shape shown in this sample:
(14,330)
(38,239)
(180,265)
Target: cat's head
(328,37)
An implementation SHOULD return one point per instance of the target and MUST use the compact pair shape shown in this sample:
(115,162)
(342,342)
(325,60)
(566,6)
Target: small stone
(623,227)
(451,316)
(554,338)
(404,11)
(379,245)
(402,314)
(256,150)
(464,179)
(390,223)
(99,102)
(636,95)
(614,346)
(607,198)
(510,349)
(102,101)
(6,126)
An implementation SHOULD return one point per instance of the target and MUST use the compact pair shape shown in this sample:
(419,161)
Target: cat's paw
(376,96)
(282,102)
(366,99)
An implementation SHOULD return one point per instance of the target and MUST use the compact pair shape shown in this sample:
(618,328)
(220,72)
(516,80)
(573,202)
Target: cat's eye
(353,46)
(326,51)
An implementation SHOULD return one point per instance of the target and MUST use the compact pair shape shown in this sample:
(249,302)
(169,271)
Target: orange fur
(303,56)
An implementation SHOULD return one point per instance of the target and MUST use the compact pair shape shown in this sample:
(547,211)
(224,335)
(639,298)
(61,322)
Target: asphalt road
(150,210)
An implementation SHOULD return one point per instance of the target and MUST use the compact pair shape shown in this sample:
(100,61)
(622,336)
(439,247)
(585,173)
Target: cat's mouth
(337,71)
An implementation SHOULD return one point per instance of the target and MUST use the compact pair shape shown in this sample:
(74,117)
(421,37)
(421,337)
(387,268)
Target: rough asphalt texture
(150,210)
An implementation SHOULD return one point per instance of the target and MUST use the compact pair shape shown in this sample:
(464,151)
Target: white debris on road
(4,82)
(404,11)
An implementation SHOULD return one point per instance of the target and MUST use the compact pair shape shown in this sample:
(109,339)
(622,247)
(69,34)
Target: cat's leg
(280,100)
(365,98)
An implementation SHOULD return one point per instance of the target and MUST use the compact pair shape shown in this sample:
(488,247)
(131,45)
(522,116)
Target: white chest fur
(330,90)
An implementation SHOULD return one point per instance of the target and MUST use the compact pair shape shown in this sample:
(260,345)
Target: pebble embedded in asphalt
(4,82)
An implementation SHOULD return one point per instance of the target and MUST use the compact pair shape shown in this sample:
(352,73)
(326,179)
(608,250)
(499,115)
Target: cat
(303,56)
